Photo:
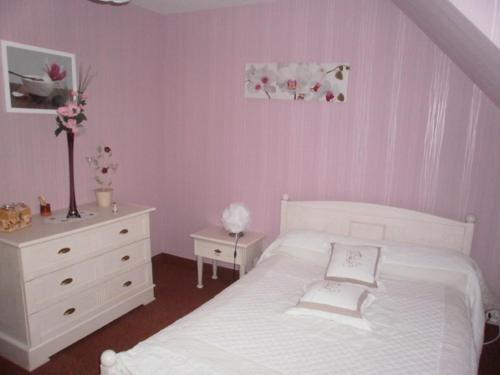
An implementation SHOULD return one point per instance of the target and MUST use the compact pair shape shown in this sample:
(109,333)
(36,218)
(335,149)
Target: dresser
(216,244)
(60,282)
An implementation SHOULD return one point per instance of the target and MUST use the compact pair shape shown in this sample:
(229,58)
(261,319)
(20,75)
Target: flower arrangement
(297,81)
(103,167)
(71,116)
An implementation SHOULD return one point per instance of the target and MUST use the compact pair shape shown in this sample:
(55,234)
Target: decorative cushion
(354,264)
(343,303)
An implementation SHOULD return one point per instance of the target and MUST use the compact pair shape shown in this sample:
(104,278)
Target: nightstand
(216,244)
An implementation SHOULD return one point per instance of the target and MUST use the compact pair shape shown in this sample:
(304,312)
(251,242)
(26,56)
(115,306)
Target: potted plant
(104,168)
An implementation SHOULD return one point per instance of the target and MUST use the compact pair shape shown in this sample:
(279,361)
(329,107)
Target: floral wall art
(297,81)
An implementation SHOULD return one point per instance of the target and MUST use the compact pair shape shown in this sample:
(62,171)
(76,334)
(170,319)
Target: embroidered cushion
(354,264)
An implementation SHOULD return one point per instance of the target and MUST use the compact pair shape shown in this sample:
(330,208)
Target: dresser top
(41,230)
(220,235)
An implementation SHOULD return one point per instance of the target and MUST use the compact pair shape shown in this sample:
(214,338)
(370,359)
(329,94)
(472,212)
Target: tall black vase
(73,210)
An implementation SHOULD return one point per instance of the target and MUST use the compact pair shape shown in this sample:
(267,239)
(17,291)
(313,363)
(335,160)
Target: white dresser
(60,282)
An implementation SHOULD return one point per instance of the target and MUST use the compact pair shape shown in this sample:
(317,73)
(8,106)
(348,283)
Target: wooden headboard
(377,222)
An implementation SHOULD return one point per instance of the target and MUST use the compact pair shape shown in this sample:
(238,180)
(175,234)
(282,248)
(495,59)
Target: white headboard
(377,222)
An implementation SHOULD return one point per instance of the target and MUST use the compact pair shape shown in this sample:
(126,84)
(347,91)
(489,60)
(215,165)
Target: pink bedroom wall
(415,131)
(122,44)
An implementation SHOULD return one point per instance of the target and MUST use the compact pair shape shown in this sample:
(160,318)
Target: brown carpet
(176,295)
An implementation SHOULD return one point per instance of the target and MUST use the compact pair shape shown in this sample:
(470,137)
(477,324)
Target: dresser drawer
(62,252)
(123,232)
(41,291)
(57,319)
(216,251)
(128,282)
(124,258)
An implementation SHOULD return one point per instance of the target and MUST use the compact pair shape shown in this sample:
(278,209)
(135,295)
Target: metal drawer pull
(127,283)
(124,231)
(217,251)
(70,311)
(125,258)
(67,281)
(64,250)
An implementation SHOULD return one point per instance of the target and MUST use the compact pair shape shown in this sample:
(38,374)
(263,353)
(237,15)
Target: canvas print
(37,80)
(297,81)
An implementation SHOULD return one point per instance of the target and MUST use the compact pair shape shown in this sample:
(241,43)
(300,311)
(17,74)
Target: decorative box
(14,217)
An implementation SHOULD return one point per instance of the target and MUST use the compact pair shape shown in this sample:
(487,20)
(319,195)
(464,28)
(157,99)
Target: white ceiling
(179,6)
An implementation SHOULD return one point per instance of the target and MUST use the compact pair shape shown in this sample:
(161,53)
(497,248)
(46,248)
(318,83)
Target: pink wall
(123,46)
(415,132)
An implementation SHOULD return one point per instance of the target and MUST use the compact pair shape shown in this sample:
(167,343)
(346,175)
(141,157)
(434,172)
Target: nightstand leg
(242,270)
(199,260)
(214,266)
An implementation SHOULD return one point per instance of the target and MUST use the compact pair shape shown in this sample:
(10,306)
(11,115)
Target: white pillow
(343,303)
(308,239)
(354,264)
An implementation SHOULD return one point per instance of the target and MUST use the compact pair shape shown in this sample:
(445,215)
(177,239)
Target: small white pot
(104,197)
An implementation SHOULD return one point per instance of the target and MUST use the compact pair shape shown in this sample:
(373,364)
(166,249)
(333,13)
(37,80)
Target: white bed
(427,316)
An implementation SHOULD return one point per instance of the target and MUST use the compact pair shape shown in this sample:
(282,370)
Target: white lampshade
(236,218)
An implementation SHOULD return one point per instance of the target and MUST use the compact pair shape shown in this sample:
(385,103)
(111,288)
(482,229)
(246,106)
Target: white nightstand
(216,244)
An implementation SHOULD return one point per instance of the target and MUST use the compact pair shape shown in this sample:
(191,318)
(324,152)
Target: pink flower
(69,110)
(291,84)
(55,72)
(72,124)
(261,80)
(329,96)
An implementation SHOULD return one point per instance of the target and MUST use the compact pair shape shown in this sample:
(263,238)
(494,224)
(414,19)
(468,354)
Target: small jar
(45,210)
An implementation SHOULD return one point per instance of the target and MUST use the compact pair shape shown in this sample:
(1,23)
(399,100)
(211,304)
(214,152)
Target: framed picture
(36,80)
(324,82)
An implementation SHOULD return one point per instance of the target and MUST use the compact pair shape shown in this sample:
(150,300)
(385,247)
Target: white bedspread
(418,327)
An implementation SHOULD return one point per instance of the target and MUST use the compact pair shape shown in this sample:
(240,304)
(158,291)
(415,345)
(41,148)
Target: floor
(176,295)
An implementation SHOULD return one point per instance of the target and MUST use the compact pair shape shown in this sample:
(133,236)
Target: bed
(426,317)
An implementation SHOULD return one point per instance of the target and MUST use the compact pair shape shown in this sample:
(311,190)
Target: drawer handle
(217,251)
(67,281)
(127,283)
(124,231)
(64,250)
(70,311)
(125,258)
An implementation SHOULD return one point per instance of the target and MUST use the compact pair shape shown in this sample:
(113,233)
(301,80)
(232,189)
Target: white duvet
(418,326)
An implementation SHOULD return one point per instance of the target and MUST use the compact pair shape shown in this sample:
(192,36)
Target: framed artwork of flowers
(297,81)
(36,80)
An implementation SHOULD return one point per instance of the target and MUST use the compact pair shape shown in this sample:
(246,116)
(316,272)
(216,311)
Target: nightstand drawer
(216,251)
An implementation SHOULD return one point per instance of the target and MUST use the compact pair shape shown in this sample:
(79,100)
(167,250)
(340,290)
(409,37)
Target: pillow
(343,303)
(354,264)
(308,239)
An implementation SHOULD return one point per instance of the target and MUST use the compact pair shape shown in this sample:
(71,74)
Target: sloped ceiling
(460,39)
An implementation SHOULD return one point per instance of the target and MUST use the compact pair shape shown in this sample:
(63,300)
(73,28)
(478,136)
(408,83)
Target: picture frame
(36,79)
(319,82)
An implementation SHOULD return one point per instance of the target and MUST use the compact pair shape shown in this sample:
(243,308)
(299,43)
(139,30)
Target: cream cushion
(354,264)
(343,303)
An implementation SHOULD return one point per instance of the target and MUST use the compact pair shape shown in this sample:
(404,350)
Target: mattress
(417,327)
